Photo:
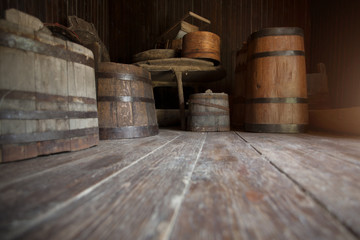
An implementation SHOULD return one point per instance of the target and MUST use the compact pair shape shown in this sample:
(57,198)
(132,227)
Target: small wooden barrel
(125,102)
(237,100)
(276,95)
(203,45)
(209,112)
(48,96)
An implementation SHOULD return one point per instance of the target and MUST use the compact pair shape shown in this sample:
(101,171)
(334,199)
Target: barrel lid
(277,32)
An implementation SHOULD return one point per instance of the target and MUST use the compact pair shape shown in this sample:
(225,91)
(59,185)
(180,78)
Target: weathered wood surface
(133,199)
(237,194)
(186,185)
(65,183)
(330,179)
(153,54)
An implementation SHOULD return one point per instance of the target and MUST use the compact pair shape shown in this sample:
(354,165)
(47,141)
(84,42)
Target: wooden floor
(186,185)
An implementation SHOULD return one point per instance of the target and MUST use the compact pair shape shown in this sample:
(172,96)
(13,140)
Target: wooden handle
(199,17)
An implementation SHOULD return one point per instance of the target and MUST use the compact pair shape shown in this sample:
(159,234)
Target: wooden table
(182,71)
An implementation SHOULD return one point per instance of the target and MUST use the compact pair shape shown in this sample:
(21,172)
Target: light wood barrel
(209,112)
(125,102)
(48,96)
(203,45)
(276,95)
(237,100)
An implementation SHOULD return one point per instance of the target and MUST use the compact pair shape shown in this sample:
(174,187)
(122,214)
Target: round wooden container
(48,96)
(203,45)
(125,102)
(276,97)
(208,112)
(237,99)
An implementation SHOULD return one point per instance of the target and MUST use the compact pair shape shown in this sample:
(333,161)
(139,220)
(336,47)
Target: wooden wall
(95,11)
(335,41)
(135,25)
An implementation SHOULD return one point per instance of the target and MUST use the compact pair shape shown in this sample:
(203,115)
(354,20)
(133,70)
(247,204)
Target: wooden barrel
(208,112)
(203,45)
(48,96)
(125,102)
(237,99)
(276,95)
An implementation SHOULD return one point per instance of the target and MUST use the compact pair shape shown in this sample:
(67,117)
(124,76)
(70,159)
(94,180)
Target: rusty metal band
(31,45)
(209,105)
(277,53)
(123,76)
(124,99)
(277,100)
(128,132)
(37,115)
(277,32)
(26,95)
(46,136)
(209,114)
(275,128)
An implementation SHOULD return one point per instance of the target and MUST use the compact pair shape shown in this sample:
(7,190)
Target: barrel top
(277,32)
(111,67)
(202,33)
(209,95)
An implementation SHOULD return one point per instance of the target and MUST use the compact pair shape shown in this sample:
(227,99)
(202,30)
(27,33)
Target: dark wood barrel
(276,95)
(126,103)
(237,99)
(203,45)
(209,112)
(48,94)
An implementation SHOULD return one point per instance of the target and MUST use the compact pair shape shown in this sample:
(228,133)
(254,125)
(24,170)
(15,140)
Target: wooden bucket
(48,96)
(203,45)
(125,102)
(237,100)
(276,95)
(209,112)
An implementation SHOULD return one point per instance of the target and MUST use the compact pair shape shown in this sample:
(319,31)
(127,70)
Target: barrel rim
(279,31)
(117,68)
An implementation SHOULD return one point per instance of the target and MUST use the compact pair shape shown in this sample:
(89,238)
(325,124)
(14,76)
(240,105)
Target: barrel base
(276,128)
(128,132)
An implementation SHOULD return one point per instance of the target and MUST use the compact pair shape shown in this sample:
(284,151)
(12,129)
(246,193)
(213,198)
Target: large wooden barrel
(276,97)
(125,102)
(237,99)
(208,112)
(48,96)
(203,45)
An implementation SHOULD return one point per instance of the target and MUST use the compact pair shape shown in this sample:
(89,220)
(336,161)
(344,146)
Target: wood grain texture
(131,199)
(76,178)
(329,178)
(188,185)
(233,189)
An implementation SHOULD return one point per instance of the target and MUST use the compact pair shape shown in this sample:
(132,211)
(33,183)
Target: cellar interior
(168,119)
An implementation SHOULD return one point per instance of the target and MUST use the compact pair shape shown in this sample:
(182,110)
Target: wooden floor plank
(137,203)
(237,194)
(21,170)
(332,181)
(24,200)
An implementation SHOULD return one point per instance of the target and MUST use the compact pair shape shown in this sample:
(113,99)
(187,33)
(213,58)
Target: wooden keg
(203,45)
(48,96)
(209,112)
(276,95)
(125,102)
(237,99)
